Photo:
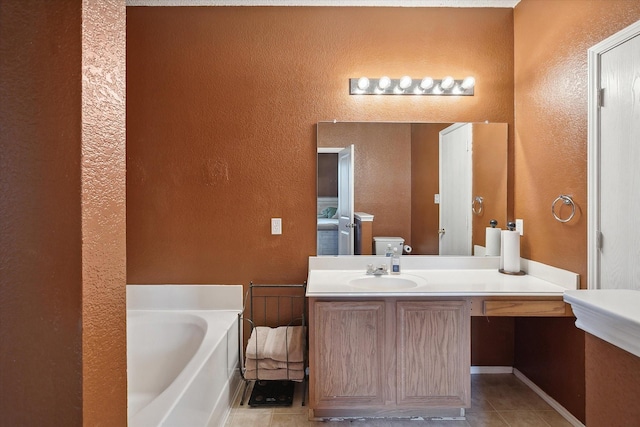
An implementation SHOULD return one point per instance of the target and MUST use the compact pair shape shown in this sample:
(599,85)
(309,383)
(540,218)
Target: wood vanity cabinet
(433,353)
(388,357)
(350,353)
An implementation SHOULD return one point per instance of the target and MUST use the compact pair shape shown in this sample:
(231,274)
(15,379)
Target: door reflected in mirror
(397,177)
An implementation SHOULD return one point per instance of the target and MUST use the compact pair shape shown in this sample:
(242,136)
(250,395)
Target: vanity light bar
(408,86)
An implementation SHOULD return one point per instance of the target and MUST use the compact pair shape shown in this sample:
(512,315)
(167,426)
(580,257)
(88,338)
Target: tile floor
(498,400)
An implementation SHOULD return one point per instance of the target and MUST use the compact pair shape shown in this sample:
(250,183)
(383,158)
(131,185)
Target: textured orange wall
(382,176)
(489,177)
(327,175)
(103,192)
(492,341)
(551,42)
(489,181)
(40,246)
(613,384)
(62,202)
(222,105)
(550,158)
(425,182)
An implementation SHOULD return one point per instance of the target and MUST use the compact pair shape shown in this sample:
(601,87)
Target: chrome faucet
(380,271)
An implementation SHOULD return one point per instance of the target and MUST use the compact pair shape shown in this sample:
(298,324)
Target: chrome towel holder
(479,202)
(567,200)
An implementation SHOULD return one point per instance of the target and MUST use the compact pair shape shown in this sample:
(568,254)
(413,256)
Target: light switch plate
(436,199)
(276,225)
(520,226)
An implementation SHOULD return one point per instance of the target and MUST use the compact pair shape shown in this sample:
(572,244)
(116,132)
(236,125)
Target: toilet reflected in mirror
(381,243)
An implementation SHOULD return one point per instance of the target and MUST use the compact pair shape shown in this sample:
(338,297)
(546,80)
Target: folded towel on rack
(272,364)
(286,344)
(283,344)
(257,340)
(274,374)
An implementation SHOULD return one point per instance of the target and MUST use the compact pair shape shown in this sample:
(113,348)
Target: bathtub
(182,354)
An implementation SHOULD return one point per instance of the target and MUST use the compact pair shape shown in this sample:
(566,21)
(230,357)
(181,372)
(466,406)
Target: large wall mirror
(397,177)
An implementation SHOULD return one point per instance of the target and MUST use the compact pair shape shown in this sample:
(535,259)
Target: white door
(345,201)
(614,169)
(455,190)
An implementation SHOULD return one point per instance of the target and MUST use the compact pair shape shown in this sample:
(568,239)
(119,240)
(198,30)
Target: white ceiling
(380,3)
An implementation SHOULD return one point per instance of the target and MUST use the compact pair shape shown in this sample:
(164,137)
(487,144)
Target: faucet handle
(370,269)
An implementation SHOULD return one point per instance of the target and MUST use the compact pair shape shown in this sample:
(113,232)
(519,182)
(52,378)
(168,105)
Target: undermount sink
(382,283)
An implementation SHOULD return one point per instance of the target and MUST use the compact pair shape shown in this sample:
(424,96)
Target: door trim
(329,150)
(593,146)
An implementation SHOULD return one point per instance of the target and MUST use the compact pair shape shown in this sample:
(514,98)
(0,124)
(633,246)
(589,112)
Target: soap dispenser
(395,262)
(389,252)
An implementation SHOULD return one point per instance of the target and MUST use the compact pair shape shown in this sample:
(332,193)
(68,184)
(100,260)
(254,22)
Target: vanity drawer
(525,307)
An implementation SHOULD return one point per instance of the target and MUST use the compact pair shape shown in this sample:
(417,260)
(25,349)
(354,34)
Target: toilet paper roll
(510,251)
(492,241)
(407,249)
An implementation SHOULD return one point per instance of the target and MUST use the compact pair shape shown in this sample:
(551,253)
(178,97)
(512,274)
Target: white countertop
(610,314)
(322,283)
(434,277)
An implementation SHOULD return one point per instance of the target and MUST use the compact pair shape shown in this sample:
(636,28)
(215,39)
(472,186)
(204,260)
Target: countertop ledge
(439,276)
(609,314)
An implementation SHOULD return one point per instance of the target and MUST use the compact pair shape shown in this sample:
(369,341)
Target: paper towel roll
(501,251)
(492,241)
(510,251)
(407,249)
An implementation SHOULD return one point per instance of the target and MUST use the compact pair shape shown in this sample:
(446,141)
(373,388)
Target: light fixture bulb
(384,82)
(426,83)
(447,83)
(363,83)
(405,82)
(468,83)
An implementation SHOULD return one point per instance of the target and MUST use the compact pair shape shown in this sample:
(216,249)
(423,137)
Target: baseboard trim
(550,400)
(491,370)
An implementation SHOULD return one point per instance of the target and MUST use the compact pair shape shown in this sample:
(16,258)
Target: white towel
(257,340)
(283,344)
(274,374)
(272,364)
(286,344)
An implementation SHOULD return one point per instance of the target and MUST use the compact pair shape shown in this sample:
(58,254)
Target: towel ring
(480,201)
(567,200)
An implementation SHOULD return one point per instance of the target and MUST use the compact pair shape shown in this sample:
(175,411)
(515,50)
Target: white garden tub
(182,354)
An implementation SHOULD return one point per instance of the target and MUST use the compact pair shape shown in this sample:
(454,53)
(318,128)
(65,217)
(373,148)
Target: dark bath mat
(272,393)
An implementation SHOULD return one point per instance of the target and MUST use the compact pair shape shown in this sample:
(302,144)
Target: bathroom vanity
(399,345)
(388,356)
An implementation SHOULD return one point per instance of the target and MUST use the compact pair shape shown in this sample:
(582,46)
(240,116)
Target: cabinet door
(349,354)
(433,354)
